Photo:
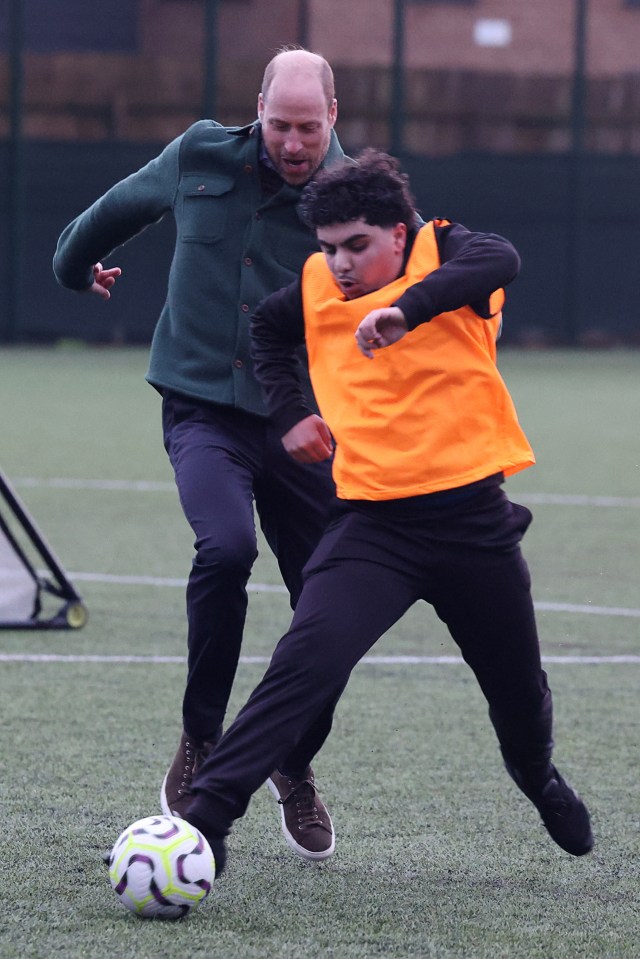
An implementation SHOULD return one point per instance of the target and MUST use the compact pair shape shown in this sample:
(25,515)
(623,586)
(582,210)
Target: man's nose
(341,260)
(293,143)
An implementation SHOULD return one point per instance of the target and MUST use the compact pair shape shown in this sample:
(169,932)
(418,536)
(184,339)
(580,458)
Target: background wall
(522,137)
(569,291)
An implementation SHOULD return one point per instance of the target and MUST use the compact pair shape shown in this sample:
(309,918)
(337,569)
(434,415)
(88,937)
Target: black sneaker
(563,812)
(306,822)
(219,850)
(216,842)
(175,792)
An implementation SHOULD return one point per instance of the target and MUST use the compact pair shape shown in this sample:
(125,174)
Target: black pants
(368,570)
(223,460)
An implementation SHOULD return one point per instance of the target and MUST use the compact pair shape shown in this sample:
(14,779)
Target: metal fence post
(210,91)
(396,120)
(9,329)
(577,219)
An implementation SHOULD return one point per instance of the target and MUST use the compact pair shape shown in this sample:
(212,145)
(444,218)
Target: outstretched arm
(123,211)
(472,267)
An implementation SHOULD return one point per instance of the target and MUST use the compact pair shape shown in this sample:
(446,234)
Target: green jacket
(234,246)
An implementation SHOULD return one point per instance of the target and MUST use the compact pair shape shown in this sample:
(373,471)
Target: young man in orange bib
(400,320)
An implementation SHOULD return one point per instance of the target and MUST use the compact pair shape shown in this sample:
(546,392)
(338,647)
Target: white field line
(162,581)
(153,486)
(169,487)
(561,499)
(129,486)
(262,660)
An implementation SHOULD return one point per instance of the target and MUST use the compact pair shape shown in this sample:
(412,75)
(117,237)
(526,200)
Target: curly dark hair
(371,188)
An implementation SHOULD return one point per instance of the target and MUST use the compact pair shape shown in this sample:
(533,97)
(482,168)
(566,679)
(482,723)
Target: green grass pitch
(438,855)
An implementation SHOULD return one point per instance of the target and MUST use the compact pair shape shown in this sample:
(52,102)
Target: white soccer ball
(161,867)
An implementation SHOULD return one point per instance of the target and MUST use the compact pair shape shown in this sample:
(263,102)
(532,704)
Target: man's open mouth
(296,164)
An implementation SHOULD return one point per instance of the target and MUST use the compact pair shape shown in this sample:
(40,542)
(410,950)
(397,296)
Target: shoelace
(195,757)
(304,796)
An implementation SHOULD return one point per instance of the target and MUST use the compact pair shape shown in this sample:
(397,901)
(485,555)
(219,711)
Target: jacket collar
(335,153)
(246,131)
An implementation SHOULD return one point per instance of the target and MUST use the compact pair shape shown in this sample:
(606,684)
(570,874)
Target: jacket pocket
(291,253)
(205,203)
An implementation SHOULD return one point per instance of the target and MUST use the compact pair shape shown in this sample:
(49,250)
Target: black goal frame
(54,581)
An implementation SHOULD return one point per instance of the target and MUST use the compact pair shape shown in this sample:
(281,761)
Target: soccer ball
(160,867)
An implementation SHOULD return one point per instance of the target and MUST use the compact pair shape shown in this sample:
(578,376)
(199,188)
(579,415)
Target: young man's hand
(103,280)
(380,328)
(309,441)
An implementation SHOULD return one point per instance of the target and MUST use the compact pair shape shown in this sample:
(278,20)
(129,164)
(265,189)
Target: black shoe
(563,812)
(216,842)
(219,850)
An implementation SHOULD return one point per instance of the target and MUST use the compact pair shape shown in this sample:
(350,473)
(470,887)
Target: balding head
(292,65)
(297,110)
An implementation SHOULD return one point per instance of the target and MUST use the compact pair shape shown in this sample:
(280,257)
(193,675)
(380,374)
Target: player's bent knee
(232,559)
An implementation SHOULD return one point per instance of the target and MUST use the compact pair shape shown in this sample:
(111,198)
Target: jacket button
(238,364)
(244,308)
(248,168)
(248,261)
(201,187)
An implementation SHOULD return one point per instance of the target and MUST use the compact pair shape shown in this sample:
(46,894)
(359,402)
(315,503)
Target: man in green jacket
(233,192)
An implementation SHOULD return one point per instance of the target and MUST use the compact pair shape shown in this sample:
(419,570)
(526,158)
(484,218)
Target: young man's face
(361,257)
(296,125)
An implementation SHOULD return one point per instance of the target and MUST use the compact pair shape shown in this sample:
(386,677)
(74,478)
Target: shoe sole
(164,804)
(296,847)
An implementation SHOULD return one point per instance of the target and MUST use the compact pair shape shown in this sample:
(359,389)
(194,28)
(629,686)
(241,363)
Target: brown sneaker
(306,822)
(175,791)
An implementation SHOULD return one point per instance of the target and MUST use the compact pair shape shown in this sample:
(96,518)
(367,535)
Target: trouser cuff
(210,816)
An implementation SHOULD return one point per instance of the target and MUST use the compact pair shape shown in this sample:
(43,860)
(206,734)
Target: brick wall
(459,95)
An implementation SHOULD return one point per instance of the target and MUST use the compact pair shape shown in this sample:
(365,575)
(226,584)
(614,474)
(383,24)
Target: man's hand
(380,328)
(309,441)
(103,280)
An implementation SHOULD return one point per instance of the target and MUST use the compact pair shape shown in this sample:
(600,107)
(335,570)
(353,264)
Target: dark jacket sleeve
(277,333)
(126,209)
(473,266)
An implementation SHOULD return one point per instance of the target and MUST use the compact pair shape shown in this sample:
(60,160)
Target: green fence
(576,225)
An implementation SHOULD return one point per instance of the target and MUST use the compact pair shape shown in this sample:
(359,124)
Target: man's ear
(260,107)
(400,236)
(333,112)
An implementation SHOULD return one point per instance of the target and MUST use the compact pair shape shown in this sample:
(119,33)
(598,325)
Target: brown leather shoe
(175,792)
(306,822)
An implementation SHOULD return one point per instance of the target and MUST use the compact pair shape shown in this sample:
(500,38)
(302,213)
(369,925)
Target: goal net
(35,591)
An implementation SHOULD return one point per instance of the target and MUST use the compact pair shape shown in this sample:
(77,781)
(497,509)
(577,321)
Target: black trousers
(368,569)
(224,460)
